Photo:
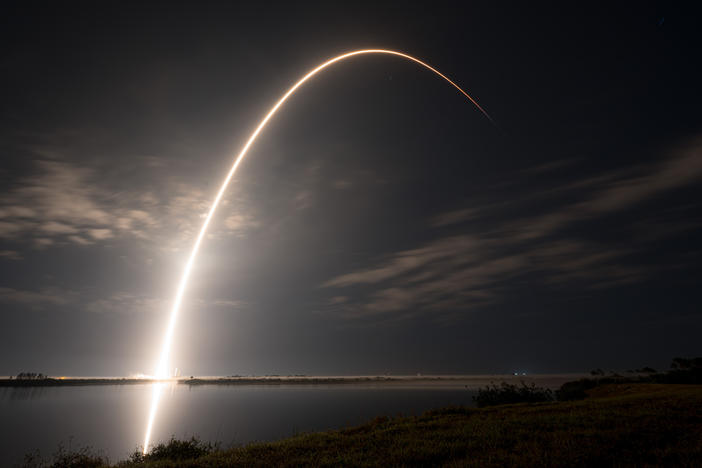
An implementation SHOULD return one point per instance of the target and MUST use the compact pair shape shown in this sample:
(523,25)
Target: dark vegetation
(45,381)
(505,394)
(30,376)
(174,450)
(682,371)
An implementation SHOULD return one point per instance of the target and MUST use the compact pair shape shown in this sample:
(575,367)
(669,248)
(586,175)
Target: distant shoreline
(429,380)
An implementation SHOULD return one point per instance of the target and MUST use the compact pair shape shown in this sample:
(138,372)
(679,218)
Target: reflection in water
(155,398)
(22,393)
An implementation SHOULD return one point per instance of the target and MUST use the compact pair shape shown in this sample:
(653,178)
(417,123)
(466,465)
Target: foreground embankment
(617,425)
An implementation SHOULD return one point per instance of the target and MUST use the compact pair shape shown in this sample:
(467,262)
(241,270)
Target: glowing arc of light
(162,368)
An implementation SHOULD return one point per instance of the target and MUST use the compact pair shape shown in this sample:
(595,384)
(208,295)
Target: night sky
(380,224)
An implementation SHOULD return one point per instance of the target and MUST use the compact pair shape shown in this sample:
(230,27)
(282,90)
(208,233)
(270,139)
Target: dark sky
(380,224)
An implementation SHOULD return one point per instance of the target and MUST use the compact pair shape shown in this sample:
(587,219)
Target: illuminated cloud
(100,234)
(240,224)
(342,184)
(63,203)
(128,303)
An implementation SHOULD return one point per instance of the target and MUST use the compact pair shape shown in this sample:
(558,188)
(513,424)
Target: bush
(31,376)
(506,394)
(176,450)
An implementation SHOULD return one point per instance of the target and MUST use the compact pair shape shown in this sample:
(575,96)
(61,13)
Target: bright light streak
(163,363)
(155,397)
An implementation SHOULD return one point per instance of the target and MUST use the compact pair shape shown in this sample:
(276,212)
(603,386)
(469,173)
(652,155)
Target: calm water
(112,418)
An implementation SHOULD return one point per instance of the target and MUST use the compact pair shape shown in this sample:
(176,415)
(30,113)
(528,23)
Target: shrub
(31,376)
(176,450)
(506,394)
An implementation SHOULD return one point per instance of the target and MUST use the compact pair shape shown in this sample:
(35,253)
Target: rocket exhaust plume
(163,362)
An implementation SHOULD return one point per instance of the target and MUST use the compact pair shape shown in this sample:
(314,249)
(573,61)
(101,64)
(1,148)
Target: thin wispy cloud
(679,171)
(10,254)
(618,190)
(127,303)
(457,216)
(45,297)
(473,269)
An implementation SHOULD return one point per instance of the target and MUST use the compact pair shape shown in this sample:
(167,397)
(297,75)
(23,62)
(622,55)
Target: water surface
(112,418)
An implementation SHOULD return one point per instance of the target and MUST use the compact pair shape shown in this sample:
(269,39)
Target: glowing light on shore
(163,363)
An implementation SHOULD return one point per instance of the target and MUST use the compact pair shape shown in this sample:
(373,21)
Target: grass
(617,425)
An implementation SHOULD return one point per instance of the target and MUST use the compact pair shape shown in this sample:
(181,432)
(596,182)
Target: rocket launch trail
(163,362)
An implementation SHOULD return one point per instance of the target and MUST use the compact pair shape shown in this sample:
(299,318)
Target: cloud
(408,261)
(53,227)
(62,203)
(77,240)
(679,171)
(615,191)
(127,303)
(10,254)
(457,216)
(226,303)
(337,300)
(37,299)
(240,224)
(43,242)
(100,234)
(303,199)
(466,271)
(12,229)
(474,269)
(342,184)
